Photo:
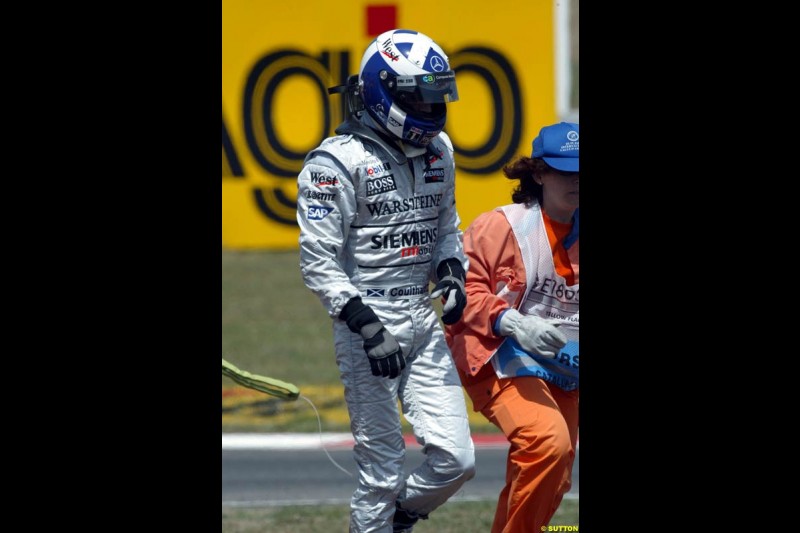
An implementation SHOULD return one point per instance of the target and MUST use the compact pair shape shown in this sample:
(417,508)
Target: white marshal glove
(536,335)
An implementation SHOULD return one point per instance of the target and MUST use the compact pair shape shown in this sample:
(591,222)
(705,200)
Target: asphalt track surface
(264,470)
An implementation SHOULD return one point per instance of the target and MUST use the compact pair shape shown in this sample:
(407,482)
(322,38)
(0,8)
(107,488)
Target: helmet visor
(434,88)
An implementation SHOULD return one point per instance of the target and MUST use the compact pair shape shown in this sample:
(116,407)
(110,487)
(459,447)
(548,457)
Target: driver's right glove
(385,356)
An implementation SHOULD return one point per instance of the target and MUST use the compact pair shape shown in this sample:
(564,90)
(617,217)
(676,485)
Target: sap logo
(318,212)
(434,175)
(381,185)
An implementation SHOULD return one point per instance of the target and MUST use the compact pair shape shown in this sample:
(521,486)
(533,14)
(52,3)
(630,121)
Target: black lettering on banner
(330,68)
(503,142)
(276,205)
(267,149)
(231,166)
(262,84)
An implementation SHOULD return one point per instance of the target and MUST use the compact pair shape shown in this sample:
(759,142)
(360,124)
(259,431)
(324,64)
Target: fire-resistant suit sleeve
(450,241)
(326,206)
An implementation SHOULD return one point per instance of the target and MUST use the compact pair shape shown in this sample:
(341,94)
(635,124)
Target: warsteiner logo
(381,185)
(406,204)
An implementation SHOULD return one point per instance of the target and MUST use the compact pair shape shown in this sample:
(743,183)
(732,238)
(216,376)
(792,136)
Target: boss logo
(381,185)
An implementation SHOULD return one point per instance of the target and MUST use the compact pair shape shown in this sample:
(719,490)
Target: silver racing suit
(376,224)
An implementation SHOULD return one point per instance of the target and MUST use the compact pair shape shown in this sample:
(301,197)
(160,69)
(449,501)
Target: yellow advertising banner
(279,58)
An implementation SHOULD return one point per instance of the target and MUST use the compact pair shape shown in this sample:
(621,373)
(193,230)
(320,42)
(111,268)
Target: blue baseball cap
(558,146)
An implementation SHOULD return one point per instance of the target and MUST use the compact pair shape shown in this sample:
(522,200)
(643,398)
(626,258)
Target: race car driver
(378,223)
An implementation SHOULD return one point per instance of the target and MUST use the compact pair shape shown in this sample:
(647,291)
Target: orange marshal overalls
(539,419)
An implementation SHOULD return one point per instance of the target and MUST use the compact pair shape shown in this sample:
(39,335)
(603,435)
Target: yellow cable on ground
(275,387)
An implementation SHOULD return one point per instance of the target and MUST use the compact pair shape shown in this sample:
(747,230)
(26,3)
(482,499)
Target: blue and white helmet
(406,82)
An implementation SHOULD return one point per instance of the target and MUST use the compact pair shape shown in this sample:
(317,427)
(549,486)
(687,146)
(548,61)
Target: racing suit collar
(364,128)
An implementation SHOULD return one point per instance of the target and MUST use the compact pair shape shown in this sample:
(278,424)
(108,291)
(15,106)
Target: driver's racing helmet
(406,82)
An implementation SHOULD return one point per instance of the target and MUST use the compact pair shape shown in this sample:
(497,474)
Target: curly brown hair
(525,169)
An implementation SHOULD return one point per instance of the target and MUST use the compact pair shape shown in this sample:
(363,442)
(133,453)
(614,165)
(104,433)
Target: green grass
(452,517)
(274,326)
(271,323)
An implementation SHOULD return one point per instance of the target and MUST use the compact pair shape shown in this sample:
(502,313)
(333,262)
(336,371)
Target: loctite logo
(323,196)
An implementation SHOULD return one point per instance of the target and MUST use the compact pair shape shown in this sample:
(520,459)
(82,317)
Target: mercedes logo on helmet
(437,64)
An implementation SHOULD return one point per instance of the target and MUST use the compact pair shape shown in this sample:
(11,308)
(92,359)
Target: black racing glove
(451,289)
(385,356)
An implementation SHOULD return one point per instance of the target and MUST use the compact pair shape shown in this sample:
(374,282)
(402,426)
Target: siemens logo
(434,175)
(402,240)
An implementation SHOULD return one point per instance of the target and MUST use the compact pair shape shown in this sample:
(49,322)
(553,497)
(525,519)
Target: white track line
(313,441)
(284,441)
